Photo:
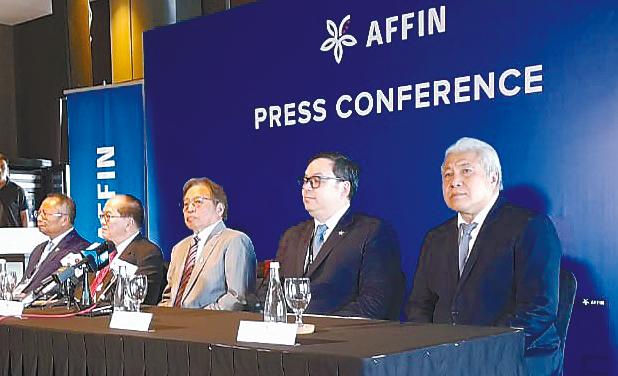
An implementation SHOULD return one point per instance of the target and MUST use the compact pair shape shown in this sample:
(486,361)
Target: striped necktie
(186,274)
(101,274)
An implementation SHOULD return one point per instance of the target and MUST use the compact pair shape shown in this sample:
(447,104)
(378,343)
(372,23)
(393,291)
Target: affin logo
(338,38)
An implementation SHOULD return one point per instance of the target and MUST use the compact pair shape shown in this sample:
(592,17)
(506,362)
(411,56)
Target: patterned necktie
(465,230)
(318,240)
(102,273)
(186,274)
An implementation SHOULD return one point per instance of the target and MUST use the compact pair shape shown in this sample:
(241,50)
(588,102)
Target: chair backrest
(166,266)
(568,287)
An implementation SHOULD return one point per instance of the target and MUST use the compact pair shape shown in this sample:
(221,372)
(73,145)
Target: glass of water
(8,285)
(137,287)
(298,296)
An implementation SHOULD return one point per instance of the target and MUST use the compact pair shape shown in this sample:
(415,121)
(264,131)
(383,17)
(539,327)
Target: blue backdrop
(210,80)
(106,150)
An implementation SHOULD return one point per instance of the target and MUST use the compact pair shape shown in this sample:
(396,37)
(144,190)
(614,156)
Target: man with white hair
(494,263)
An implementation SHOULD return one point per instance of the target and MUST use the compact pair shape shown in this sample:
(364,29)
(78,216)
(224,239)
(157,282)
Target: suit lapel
(209,247)
(52,262)
(480,239)
(303,247)
(336,236)
(452,248)
(34,259)
(129,255)
(180,254)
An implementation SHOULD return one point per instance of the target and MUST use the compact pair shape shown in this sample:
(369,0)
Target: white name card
(139,321)
(11,308)
(266,332)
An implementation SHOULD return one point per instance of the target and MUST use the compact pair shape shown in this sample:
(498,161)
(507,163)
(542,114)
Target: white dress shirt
(203,235)
(479,219)
(330,223)
(51,245)
(120,248)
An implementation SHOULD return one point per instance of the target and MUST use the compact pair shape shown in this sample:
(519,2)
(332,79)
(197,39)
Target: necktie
(186,274)
(102,273)
(465,230)
(318,240)
(44,255)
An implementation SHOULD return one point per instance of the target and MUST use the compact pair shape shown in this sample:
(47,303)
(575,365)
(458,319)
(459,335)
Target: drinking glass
(8,285)
(138,284)
(298,295)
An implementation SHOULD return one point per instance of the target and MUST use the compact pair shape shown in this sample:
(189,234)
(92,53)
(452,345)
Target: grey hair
(489,156)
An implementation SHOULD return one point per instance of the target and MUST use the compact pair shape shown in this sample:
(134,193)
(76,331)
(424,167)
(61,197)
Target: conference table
(201,342)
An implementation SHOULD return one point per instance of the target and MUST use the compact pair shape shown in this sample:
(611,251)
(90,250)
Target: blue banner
(246,96)
(106,150)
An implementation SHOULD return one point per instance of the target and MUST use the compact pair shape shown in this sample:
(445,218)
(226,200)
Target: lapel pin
(341,233)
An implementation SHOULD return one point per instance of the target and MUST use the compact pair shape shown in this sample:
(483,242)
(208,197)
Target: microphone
(35,294)
(107,289)
(96,257)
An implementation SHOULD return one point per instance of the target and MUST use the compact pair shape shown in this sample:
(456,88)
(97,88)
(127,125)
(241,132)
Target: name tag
(11,308)
(266,332)
(139,321)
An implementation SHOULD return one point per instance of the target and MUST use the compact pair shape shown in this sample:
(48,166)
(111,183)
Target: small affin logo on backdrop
(339,38)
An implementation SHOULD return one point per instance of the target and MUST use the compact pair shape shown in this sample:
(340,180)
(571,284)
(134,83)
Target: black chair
(568,287)
(166,266)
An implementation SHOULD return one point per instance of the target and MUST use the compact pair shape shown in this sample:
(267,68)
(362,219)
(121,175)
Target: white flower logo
(339,38)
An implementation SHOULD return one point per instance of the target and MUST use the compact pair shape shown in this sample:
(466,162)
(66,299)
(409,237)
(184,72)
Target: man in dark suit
(352,260)
(494,263)
(54,219)
(121,221)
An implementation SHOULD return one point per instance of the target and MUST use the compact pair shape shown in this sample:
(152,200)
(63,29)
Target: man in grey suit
(215,267)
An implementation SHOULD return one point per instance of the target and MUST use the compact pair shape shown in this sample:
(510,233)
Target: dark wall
(41,67)
(35,68)
(8,121)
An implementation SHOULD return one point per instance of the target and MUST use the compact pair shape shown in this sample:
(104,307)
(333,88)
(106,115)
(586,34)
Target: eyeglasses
(197,202)
(316,180)
(106,216)
(43,214)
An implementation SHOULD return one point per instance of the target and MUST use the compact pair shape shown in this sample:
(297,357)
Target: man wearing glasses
(55,219)
(214,268)
(121,221)
(352,260)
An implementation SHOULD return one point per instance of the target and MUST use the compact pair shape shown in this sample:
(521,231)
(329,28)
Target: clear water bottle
(3,279)
(274,306)
(121,289)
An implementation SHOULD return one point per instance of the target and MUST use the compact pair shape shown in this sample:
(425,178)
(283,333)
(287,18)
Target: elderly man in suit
(493,263)
(121,221)
(55,219)
(214,268)
(352,260)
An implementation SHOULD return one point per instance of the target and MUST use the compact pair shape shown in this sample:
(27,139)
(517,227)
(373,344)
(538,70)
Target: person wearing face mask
(214,268)
(352,260)
(493,263)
